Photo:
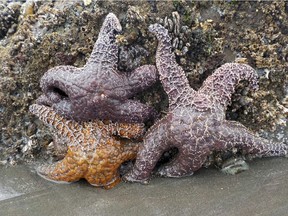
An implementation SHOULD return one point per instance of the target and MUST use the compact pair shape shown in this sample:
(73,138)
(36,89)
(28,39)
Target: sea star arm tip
(160,32)
(111,22)
(221,84)
(236,135)
(170,72)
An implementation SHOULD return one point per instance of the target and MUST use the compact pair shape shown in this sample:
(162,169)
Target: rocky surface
(38,35)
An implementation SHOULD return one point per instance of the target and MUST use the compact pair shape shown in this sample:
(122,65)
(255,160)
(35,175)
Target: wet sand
(262,190)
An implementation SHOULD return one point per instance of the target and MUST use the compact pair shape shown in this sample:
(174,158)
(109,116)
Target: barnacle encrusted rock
(43,34)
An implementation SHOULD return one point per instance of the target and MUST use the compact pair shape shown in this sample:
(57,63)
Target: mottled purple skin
(195,123)
(99,90)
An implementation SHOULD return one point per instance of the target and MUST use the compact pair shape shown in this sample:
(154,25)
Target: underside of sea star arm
(221,84)
(105,51)
(172,75)
(233,134)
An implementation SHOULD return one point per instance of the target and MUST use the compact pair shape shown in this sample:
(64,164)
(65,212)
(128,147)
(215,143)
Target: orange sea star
(96,149)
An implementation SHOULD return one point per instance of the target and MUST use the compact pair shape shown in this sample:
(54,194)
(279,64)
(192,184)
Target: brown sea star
(96,149)
(195,123)
(99,90)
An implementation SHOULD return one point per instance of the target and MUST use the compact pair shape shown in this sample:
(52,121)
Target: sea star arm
(58,84)
(233,134)
(106,173)
(186,162)
(105,51)
(155,144)
(133,111)
(43,100)
(192,151)
(127,130)
(145,162)
(172,75)
(69,169)
(130,150)
(221,84)
(141,78)
(64,108)
(63,127)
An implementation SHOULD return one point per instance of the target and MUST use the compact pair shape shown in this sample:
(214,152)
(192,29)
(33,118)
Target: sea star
(99,90)
(195,123)
(96,149)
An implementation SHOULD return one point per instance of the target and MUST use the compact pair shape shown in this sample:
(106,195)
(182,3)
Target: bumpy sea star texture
(99,90)
(96,149)
(195,123)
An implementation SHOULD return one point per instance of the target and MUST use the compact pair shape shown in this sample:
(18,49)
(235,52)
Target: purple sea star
(195,123)
(96,149)
(99,90)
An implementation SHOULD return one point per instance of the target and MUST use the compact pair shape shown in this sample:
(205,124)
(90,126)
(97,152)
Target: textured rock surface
(40,35)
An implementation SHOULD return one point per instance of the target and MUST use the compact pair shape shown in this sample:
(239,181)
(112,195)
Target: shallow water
(8,192)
